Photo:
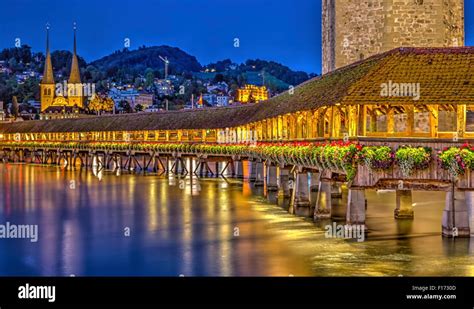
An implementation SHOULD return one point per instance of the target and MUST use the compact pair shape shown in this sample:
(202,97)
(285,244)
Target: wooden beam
(410,110)
(362,123)
(434,117)
(390,121)
(461,120)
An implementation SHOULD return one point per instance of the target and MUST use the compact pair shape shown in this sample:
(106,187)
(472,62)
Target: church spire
(48,77)
(75,77)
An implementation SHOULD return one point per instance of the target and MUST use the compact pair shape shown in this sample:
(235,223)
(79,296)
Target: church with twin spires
(62,99)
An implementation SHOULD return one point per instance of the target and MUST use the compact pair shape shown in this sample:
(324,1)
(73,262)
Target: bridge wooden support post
(355,214)
(284,183)
(175,167)
(108,157)
(67,159)
(458,217)
(202,167)
(209,172)
(166,165)
(74,159)
(239,169)
(55,158)
(324,200)
(314,182)
(470,210)
(259,174)
(98,160)
(229,167)
(404,205)
(253,171)
(301,195)
(217,169)
(154,163)
(145,166)
(86,155)
(272,177)
(119,162)
(47,157)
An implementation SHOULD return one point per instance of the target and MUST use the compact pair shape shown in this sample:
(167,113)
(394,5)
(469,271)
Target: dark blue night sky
(286,31)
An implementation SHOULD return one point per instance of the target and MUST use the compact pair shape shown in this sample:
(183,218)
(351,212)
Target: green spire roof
(75,77)
(48,76)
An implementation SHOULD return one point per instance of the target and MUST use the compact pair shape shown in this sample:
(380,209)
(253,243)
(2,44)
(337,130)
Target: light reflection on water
(208,227)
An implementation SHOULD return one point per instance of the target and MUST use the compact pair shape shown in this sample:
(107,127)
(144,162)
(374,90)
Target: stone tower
(356,29)
(47,86)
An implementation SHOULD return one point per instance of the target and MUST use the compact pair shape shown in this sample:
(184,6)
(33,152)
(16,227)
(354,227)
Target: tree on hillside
(219,78)
(20,54)
(139,108)
(8,88)
(125,106)
(62,59)
(15,107)
(29,90)
(101,103)
(149,77)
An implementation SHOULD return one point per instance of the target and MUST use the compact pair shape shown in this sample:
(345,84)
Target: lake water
(150,225)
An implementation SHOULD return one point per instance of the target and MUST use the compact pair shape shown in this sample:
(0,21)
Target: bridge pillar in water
(284,183)
(404,205)
(355,214)
(459,216)
(259,174)
(302,202)
(239,169)
(272,178)
(323,200)
(253,170)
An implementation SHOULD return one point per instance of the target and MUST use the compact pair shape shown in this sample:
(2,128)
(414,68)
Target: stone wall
(357,29)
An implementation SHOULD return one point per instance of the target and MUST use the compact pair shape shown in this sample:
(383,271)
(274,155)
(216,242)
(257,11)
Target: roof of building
(75,76)
(61,109)
(445,76)
(48,76)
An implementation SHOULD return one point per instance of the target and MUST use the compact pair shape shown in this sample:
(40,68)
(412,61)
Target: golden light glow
(252,94)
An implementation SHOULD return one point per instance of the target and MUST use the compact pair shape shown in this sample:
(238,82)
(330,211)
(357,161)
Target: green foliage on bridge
(339,157)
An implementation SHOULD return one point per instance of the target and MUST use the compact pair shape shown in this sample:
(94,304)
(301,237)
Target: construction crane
(167,62)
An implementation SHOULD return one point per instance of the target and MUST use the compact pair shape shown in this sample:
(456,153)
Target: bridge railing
(349,158)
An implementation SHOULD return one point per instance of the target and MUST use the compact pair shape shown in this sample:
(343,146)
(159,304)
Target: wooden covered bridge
(403,120)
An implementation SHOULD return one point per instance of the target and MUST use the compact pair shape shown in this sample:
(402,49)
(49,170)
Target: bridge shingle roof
(445,76)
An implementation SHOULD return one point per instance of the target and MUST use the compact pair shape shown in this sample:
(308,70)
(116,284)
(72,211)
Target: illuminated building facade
(252,94)
(61,96)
